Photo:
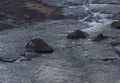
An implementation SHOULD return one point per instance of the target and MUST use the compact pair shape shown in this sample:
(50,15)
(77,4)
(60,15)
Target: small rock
(109,59)
(76,34)
(100,37)
(38,46)
(116,24)
(29,55)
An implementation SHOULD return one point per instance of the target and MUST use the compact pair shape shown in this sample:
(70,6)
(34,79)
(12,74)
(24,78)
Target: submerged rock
(100,37)
(76,34)
(4,26)
(118,52)
(116,24)
(34,15)
(8,60)
(56,16)
(29,55)
(38,46)
(115,43)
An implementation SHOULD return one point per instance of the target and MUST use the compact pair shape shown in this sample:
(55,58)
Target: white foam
(97,27)
(99,23)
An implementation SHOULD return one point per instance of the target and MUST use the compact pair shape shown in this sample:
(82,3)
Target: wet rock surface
(56,16)
(4,26)
(73,61)
(26,10)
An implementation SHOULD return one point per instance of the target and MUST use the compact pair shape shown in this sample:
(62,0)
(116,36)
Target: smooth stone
(100,37)
(38,46)
(76,34)
(116,24)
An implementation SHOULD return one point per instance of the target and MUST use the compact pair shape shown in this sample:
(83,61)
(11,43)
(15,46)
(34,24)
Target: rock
(105,2)
(76,34)
(4,26)
(34,15)
(56,16)
(100,37)
(26,10)
(38,46)
(115,43)
(109,59)
(29,55)
(8,60)
(118,52)
(116,24)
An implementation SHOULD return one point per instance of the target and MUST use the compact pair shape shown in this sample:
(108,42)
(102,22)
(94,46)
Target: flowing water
(73,61)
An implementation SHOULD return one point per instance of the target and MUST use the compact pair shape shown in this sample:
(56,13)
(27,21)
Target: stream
(73,61)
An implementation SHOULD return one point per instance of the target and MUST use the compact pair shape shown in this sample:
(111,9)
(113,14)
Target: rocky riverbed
(73,60)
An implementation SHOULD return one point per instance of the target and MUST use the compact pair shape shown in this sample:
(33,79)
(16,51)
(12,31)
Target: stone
(29,55)
(26,10)
(56,16)
(100,37)
(34,15)
(118,52)
(116,24)
(115,43)
(4,26)
(38,46)
(109,59)
(105,2)
(8,60)
(76,34)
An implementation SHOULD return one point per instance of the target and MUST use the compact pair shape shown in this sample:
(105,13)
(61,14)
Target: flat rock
(61,3)
(29,55)
(100,51)
(74,12)
(106,1)
(4,26)
(38,46)
(56,16)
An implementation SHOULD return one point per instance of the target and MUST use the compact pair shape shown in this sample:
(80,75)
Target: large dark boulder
(26,10)
(116,24)
(38,46)
(76,34)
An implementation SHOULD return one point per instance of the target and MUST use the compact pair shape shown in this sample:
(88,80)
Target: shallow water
(73,61)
